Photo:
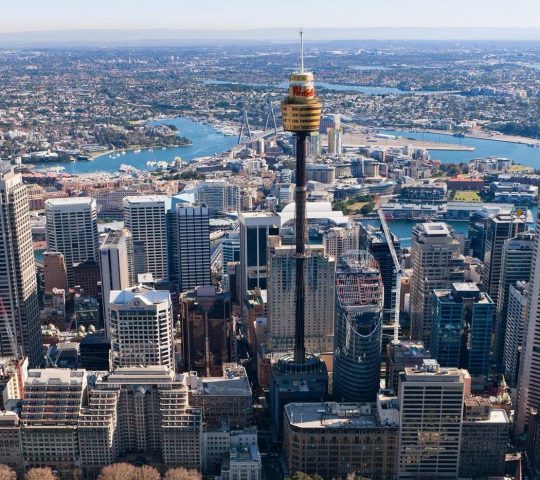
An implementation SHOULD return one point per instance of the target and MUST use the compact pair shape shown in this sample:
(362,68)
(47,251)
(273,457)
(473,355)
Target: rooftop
(55,376)
(330,415)
(69,201)
(496,415)
(409,350)
(134,200)
(436,229)
(146,295)
(314,211)
(430,370)
(234,382)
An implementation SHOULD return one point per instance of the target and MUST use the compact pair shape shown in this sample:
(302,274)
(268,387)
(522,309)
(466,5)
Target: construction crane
(17,354)
(397,269)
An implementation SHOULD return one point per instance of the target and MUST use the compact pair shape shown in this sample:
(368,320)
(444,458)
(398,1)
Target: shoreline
(133,148)
(481,136)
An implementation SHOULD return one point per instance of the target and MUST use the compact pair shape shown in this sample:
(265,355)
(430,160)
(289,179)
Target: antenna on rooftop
(301,49)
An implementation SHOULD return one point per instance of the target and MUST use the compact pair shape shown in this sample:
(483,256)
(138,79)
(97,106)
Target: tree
(44,473)
(146,472)
(118,471)
(367,208)
(182,474)
(6,473)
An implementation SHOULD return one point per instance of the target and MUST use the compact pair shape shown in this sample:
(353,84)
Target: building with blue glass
(461,328)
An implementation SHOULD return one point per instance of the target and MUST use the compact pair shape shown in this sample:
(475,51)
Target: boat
(163,148)
(55,169)
(137,151)
(124,168)
(151,163)
(150,149)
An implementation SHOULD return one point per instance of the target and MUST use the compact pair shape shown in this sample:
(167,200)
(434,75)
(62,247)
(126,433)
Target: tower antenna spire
(301,49)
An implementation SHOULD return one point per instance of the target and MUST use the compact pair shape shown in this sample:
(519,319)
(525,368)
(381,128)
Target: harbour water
(518,152)
(334,87)
(403,228)
(205,141)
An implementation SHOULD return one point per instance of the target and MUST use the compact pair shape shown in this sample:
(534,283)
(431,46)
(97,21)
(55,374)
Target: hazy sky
(29,15)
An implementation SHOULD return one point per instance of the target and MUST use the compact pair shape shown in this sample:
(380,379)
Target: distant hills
(158,37)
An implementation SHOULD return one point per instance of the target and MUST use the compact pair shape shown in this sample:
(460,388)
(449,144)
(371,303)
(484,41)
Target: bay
(518,152)
(336,87)
(205,139)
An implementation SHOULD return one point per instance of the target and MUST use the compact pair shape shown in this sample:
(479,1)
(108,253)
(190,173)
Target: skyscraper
(145,218)
(230,253)
(529,369)
(208,330)
(461,328)
(255,227)
(141,327)
(431,410)
(478,228)
(500,228)
(437,262)
(320,298)
(72,230)
(358,328)
(220,196)
(116,262)
(516,317)
(189,242)
(375,242)
(18,287)
(516,260)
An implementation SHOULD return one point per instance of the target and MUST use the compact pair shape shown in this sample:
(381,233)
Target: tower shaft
(300,254)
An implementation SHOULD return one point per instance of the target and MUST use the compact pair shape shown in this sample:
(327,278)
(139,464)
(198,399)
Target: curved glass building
(358,327)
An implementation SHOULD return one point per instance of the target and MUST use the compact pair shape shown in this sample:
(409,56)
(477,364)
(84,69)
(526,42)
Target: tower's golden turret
(301,110)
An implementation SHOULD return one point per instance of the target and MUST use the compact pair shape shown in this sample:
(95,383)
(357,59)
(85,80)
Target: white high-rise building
(338,240)
(116,263)
(437,262)
(529,369)
(320,298)
(431,410)
(72,230)
(139,409)
(49,418)
(220,196)
(515,266)
(145,218)
(141,327)
(18,287)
